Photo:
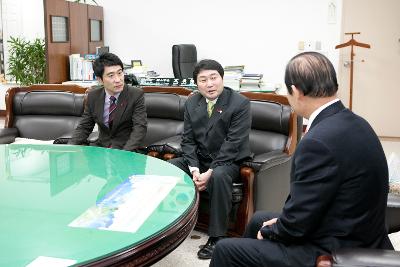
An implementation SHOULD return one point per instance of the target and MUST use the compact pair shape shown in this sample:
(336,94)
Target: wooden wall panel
(96,12)
(56,53)
(79,28)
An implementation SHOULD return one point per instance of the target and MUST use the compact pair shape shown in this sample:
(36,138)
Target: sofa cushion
(46,115)
(164,116)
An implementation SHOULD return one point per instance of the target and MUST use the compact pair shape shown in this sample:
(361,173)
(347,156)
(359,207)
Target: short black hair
(312,73)
(106,59)
(207,64)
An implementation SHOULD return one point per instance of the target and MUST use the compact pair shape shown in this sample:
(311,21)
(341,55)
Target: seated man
(215,141)
(338,186)
(118,109)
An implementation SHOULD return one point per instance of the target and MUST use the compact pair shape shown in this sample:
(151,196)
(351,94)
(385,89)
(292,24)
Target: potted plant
(27,61)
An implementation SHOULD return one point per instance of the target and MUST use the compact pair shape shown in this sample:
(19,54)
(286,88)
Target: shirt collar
(212,101)
(318,110)
(108,96)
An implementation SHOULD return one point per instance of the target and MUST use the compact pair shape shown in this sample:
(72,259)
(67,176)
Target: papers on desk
(128,206)
(43,261)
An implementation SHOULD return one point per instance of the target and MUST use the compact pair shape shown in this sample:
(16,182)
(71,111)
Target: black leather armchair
(43,112)
(364,257)
(184,58)
(164,116)
(273,139)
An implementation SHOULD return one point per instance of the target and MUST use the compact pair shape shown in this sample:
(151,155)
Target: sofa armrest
(272,183)
(8,135)
(170,145)
(393,213)
(350,257)
(264,160)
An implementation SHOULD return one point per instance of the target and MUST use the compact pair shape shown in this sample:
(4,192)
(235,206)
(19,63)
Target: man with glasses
(215,141)
(118,109)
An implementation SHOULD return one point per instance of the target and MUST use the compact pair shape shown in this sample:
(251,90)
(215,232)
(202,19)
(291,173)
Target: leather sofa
(273,139)
(44,112)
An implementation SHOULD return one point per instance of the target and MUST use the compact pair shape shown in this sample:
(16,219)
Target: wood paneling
(56,53)
(96,12)
(79,28)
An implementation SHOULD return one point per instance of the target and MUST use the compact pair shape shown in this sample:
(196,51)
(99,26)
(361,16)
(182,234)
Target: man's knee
(225,173)
(179,162)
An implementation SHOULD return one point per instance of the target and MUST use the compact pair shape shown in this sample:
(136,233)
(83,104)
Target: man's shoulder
(235,97)
(133,89)
(194,98)
(97,89)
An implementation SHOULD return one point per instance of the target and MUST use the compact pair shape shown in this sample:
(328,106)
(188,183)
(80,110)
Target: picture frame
(136,63)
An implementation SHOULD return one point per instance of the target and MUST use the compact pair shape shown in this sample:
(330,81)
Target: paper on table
(128,206)
(43,261)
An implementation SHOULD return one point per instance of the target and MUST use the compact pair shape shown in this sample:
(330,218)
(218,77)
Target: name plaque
(188,82)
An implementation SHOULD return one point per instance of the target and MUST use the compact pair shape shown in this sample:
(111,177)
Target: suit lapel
(121,107)
(201,111)
(327,112)
(99,108)
(218,108)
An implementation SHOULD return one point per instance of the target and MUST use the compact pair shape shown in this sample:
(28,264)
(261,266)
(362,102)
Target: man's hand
(202,180)
(267,223)
(195,176)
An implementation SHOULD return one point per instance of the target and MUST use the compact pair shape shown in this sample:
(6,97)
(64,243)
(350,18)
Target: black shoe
(205,253)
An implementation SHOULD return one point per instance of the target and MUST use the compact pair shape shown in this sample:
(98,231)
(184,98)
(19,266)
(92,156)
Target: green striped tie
(210,107)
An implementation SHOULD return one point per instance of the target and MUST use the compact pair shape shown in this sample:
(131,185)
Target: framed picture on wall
(136,63)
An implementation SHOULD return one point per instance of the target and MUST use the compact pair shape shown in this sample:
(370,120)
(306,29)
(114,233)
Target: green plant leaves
(27,61)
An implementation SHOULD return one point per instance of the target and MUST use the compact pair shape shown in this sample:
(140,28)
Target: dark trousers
(219,188)
(251,252)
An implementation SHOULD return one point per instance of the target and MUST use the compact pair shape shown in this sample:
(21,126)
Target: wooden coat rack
(352,43)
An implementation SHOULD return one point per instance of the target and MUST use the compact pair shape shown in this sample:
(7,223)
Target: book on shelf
(252,76)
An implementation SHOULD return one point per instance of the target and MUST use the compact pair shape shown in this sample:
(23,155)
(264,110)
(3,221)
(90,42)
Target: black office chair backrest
(184,59)
(47,115)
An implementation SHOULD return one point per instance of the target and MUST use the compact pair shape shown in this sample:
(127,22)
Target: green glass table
(90,206)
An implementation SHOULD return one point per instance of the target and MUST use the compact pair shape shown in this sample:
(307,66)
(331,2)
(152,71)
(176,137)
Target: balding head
(313,74)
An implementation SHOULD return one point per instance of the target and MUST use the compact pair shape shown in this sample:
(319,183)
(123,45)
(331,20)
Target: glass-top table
(90,206)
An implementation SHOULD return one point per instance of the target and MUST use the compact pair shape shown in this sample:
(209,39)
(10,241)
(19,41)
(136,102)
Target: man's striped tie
(111,111)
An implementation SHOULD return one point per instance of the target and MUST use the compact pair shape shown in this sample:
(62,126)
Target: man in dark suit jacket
(338,187)
(118,109)
(215,141)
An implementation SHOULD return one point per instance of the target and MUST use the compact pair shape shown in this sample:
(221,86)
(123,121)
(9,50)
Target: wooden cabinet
(71,37)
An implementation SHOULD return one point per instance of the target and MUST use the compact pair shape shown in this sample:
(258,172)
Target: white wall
(22,18)
(261,34)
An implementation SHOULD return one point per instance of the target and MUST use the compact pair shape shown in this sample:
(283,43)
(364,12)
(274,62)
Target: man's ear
(297,93)
(99,80)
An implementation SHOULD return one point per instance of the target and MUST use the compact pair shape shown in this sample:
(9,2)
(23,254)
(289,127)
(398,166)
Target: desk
(44,188)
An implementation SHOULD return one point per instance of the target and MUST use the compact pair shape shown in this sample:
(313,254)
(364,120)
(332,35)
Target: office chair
(184,58)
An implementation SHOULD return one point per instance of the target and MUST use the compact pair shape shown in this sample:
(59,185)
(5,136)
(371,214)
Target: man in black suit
(215,141)
(118,109)
(338,187)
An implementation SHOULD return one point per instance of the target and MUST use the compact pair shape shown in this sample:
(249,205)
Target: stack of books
(251,79)
(80,68)
(233,72)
